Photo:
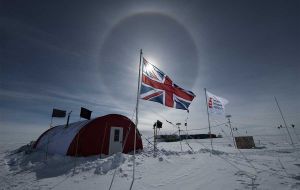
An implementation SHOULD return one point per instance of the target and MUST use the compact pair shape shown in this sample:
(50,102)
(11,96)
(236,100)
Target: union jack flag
(158,87)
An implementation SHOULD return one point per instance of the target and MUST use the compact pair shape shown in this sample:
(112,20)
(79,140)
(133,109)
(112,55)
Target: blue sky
(68,54)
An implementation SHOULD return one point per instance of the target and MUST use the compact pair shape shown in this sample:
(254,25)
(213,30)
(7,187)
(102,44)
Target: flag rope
(284,122)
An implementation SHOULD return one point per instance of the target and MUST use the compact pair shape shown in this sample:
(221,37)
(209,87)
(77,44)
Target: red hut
(104,135)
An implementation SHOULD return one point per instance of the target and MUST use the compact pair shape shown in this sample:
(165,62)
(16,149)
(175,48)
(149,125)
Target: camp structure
(104,135)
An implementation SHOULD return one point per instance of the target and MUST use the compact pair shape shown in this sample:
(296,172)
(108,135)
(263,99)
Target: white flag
(216,104)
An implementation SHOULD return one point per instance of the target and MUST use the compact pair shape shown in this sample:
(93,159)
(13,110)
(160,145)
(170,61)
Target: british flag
(158,87)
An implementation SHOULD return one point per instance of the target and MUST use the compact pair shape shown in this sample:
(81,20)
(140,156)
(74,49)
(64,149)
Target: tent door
(115,140)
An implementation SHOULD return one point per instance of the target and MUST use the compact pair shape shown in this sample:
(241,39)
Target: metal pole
(208,120)
(284,121)
(154,140)
(229,123)
(136,113)
(155,133)
(179,138)
(68,118)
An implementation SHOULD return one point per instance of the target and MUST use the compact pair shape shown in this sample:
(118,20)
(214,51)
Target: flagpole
(136,114)
(208,120)
(68,119)
(284,121)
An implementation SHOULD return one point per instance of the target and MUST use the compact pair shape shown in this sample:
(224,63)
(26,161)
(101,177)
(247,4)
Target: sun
(148,68)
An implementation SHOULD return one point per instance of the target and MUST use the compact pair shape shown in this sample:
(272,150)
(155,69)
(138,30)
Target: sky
(72,54)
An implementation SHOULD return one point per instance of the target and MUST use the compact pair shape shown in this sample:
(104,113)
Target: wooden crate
(244,142)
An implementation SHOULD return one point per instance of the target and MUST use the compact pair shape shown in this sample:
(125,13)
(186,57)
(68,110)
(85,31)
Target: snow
(275,164)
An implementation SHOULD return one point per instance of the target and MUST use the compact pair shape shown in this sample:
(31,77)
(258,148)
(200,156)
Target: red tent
(104,135)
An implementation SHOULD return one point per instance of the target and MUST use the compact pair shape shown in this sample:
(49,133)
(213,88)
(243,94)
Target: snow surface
(275,164)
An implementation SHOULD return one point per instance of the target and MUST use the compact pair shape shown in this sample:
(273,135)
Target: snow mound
(20,161)
(111,163)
